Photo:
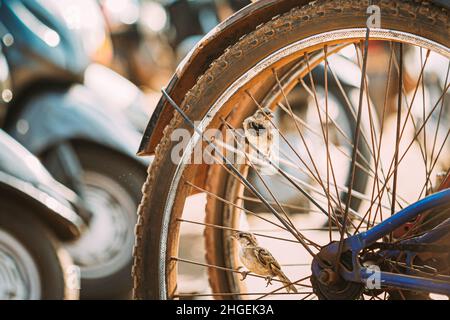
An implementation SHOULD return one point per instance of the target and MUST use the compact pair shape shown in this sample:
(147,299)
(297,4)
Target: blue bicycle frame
(356,243)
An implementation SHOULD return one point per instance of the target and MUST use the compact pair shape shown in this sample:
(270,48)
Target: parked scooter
(36,215)
(57,109)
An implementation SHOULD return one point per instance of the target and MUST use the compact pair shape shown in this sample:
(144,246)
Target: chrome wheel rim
(19,275)
(106,246)
(349,34)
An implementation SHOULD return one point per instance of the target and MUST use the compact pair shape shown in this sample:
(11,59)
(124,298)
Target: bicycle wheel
(252,76)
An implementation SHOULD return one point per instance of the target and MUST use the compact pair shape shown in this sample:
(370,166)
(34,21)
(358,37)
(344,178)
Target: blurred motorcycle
(191,20)
(150,37)
(138,30)
(74,116)
(36,215)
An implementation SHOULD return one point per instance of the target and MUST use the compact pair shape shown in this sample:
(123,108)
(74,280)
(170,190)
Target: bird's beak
(234,236)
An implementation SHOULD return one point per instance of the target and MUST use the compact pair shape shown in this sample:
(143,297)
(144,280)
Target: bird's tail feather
(285,280)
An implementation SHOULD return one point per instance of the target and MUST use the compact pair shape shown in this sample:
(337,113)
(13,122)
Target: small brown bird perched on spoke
(259,132)
(260,261)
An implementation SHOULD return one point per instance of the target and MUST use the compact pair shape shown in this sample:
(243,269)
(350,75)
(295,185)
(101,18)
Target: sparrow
(258,130)
(260,261)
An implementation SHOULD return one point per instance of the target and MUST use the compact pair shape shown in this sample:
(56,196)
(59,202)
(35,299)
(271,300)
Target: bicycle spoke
(423,116)
(378,152)
(235,205)
(303,229)
(392,167)
(433,149)
(417,133)
(228,294)
(356,140)
(325,136)
(397,134)
(234,230)
(300,209)
(240,146)
(291,113)
(433,164)
(367,169)
(355,194)
(295,182)
(316,178)
(330,226)
(348,103)
(296,235)
(440,113)
(206,265)
(320,181)
(265,184)
(284,287)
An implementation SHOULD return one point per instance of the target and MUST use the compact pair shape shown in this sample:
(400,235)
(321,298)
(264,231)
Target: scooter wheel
(33,264)
(112,188)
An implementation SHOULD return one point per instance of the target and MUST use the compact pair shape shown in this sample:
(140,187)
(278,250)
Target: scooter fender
(24,180)
(74,114)
(59,216)
(120,94)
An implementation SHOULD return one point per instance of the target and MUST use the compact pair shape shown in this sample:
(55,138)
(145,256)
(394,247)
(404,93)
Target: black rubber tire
(421,18)
(50,258)
(130,176)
